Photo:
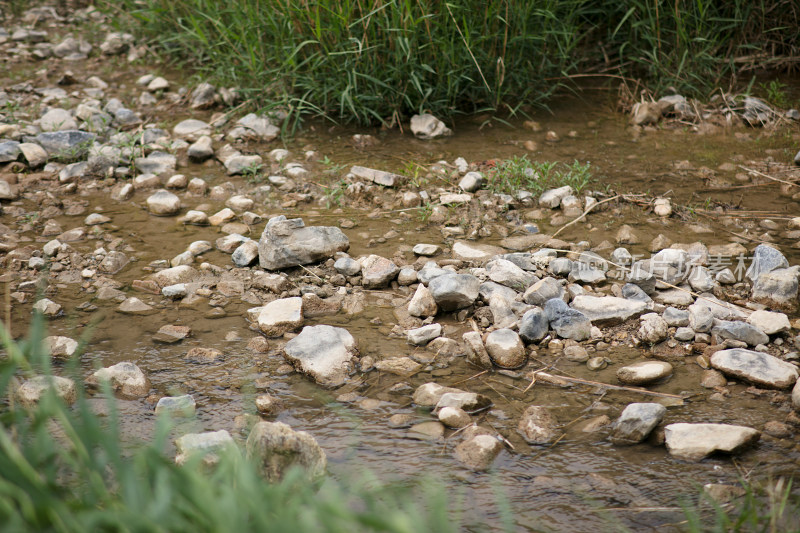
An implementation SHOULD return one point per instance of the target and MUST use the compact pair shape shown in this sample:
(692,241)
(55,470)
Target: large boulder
(759,368)
(324,353)
(696,441)
(288,242)
(276,447)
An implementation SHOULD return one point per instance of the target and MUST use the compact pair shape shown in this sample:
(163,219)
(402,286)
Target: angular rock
(476,253)
(644,372)
(759,368)
(171,334)
(429,394)
(377,272)
(552,198)
(507,273)
(769,322)
(60,347)
(537,425)
(425,334)
(468,401)
(567,322)
(175,275)
(777,288)
(325,353)
(72,144)
(765,259)
(177,406)
(134,306)
(471,182)
(533,325)
(476,351)
(47,307)
(401,366)
(653,328)
(286,243)
(422,304)
(245,254)
(31,391)
(387,179)
(454,291)
(608,310)
(280,316)
(696,441)
(636,422)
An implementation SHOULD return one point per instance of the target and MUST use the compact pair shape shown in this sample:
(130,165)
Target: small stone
(171,334)
(479,452)
(636,422)
(453,417)
(31,391)
(267,404)
(425,334)
(427,127)
(203,355)
(176,406)
(60,347)
(644,372)
(537,426)
(125,378)
(163,203)
(505,348)
(653,328)
(47,307)
(276,447)
(134,306)
(280,316)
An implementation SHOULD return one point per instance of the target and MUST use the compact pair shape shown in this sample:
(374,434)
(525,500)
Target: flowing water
(581,483)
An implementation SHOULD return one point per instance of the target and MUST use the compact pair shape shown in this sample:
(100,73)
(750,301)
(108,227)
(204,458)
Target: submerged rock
(209,444)
(324,353)
(479,452)
(32,390)
(537,425)
(276,447)
(288,242)
(696,441)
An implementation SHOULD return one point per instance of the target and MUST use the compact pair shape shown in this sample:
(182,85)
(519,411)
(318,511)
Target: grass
(521,174)
(65,469)
(367,62)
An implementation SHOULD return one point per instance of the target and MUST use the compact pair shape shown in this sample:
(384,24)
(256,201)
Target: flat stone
(325,353)
(171,334)
(608,310)
(401,366)
(73,144)
(176,406)
(759,368)
(203,355)
(387,179)
(280,316)
(769,322)
(644,372)
(377,272)
(175,275)
(157,163)
(426,250)
(209,444)
(425,334)
(740,331)
(476,253)
(191,129)
(696,441)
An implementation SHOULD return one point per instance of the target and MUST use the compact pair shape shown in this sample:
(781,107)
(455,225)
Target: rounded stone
(454,417)
(644,372)
(163,203)
(506,349)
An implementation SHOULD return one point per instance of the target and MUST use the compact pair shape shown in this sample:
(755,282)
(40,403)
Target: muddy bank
(87,225)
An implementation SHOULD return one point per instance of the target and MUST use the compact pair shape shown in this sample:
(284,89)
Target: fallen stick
(608,385)
(769,177)
(565,226)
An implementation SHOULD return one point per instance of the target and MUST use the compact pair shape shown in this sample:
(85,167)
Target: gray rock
(191,129)
(387,179)
(429,394)
(769,322)
(426,250)
(739,331)
(641,275)
(636,422)
(245,254)
(276,447)
(468,401)
(756,112)
(701,280)
(476,253)
(406,276)
(57,120)
(163,203)
(560,266)
(347,266)
(476,351)
(454,291)
(427,126)
(567,322)
(203,96)
(635,292)
(422,304)
(377,272)
(209,445)
(9,151)
(505,348)
(157,163)
(113,262)
(542,291)
(506,273)
(759,368)
(239,164)
(325,353)
(676,317)
(777,289)
(670,265)
(552,197)
(116,43)
(471,182)
(431,270)
(286,243)
(255,127)
(7,191)
(583,273)
(201,149)
(72,144)
(538,426)
(177,406)
(125,378)
(644,372)
(608,310)
(684,334)
(72,172)
(424,335)
(31,391)
(175,275)
(490,289)
(653,328)
(533,325)
(696,441)
(479,452)
(765,259)
(280,316)
(701,318)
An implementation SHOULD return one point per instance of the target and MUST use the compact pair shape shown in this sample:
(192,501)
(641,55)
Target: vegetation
(375,62)
(64,469)
(521,174)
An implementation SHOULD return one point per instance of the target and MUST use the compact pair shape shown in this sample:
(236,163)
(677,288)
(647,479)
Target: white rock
(696,441)
(280,316)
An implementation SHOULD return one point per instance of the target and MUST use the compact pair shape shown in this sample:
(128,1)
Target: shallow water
(580,483)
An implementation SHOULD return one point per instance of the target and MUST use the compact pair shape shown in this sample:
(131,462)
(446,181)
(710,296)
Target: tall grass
(65,469)
(376,61)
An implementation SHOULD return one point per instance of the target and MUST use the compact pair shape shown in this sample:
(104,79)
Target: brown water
(579,484)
